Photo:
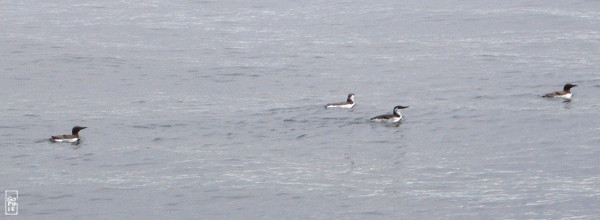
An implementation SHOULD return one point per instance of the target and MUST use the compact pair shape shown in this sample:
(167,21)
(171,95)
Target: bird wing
(382,117)
(65,136)
(553,94)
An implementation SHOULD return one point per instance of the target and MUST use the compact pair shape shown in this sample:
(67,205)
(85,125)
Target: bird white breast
(390,120)
(566,96)
(341,106)
(71,140)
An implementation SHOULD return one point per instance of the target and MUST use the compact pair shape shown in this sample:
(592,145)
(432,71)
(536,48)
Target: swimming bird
(394,117)
(566,93)
(349,103)
(73,137)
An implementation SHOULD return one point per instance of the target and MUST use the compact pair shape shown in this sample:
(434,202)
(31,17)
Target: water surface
(215,109)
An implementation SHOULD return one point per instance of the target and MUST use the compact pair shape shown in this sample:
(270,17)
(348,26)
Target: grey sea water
(214,109)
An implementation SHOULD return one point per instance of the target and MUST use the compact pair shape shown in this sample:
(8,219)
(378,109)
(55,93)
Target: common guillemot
(395,117)
(566,93)
(73,137)
(349,103)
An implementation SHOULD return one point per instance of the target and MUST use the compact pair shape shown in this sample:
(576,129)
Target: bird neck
(397,113)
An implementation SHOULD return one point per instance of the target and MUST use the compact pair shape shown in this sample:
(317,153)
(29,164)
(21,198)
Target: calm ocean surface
(214,109)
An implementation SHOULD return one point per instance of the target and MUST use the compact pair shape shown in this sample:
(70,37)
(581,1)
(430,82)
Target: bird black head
(568,86)
(400,107)
(76,129)
(350,97)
